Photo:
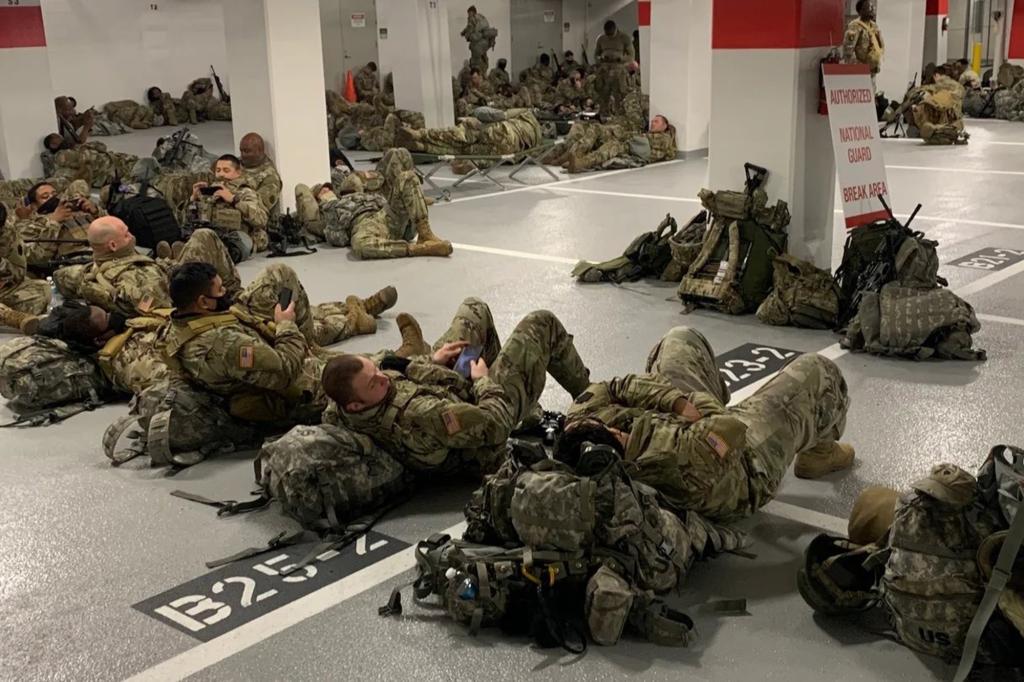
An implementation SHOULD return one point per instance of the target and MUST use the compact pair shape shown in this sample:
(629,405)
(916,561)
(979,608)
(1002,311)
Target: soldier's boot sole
(385,299)
(177,248)
(163,250)
(434,248)
(360,320)
(412,337)
(15,319)
(423,232)
(823,459)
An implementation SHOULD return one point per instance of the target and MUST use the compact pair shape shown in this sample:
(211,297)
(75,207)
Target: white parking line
(515,254)
(807,517)
(629,195)
(977,171)
(241,638)
(984,317)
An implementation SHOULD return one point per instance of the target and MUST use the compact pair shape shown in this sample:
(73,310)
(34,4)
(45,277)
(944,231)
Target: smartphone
(208,191)
(284,298)
(469,355)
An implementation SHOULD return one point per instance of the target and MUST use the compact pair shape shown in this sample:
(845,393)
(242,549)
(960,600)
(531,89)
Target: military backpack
(649,255)
(802,295)
(733,270)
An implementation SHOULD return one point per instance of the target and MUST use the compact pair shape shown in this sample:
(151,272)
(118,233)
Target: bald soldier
(259,171)
(433,417)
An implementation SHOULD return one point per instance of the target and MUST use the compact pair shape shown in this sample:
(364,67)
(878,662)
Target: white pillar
(681,69)
(764,109)
(643,21)
(276,64)
(26,107)
(902,25)
(413,43)
(936,40)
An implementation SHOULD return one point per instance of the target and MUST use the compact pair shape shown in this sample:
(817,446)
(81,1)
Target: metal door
(536,27)
(358,33)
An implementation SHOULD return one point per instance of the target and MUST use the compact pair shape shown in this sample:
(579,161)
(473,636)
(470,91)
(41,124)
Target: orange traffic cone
(350,87)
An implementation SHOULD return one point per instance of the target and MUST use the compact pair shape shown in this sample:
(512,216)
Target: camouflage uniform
(498,77)
(204,246)
(862,44)
(612,54)
(433,418)
(248,216)
(129,113)
(199,97)
(93,163)
(518,132)
(172,111)
(619,144)
(17,291)
(367,84)
(381,138)
(730,462)
(131,361)
(40,255)
(480,36)
(265,179)
(128,283)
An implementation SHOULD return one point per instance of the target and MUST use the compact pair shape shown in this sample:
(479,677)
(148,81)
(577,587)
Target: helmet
(833,580)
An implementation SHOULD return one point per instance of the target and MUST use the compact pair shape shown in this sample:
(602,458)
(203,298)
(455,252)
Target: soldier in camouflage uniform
(171,111)
(129,113)
(519,131)
(499,76)
(21,298)
(50,215)
(863,42)
(673,427)
(259,171)
(91,162)
(367,82)
(235,211)
(480,36)
(613,52)
(616,142)
(199,96)
(431,417)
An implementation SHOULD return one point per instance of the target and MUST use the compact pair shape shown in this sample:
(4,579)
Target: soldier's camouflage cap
(948,483)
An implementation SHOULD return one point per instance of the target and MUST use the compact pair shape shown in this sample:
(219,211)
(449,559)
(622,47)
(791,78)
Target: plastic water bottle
(467,589)
(55,298)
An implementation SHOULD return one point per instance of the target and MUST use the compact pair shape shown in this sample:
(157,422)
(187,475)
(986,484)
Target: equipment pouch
(609,602)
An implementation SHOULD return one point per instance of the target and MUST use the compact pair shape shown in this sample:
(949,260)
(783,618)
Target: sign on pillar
(855,140)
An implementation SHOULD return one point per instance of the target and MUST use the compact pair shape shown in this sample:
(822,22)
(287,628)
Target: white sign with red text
(855,140)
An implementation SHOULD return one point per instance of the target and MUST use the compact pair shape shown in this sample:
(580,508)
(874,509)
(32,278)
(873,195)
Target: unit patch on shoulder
(146,304)
(246,357)
(451,422)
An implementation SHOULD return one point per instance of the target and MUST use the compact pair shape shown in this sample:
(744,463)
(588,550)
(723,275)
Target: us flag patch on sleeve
(718,443)
(246,357)
(451,422)
(146,304)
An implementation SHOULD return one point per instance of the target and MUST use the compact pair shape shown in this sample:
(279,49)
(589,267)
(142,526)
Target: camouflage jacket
(13,261)
(131,360)
(615,49)
(39,254)
(249,214)
(129,285)
(695,466)
(367,83)
(431,411)
(265,179)
(663,146)
(862,44)
(475,29)
(498,77)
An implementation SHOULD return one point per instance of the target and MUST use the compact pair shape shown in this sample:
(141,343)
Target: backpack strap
(277,542)
(664,626)
(113,434)
(48,416)
(996,584)
(224,507)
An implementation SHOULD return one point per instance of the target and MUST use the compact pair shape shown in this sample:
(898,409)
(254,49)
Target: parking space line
(204,655)
(807,517)
(977,171)
(516,254)
(630,195)
(984,317)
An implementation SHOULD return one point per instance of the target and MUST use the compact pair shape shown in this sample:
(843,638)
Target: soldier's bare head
(53,142)
(154,93)
(252,150)
(866,9)
(372,66)
(659,124)
(571,444)
(609,28)
(227,167)
(355,383)
(109,235)
(197,288)
(471,10)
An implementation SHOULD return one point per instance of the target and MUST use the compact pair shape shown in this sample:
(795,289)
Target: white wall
(498,16)
(102,50)
(902,25)
(957,29)
(681,69)
(587,17)
(417,50)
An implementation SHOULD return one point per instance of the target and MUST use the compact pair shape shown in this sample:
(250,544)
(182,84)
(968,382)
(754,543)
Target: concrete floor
(84,542)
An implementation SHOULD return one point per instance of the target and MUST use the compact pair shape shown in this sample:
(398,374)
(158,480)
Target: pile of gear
(942,563)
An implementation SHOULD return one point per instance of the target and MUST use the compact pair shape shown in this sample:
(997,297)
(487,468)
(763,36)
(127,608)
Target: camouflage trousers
(381,138)
(587,136)
(136,116)
(406,204)
(373,237)
(612,85)
(478,55)
(538,346)
(204,246)
(31,296)
(322,325)
(803,406)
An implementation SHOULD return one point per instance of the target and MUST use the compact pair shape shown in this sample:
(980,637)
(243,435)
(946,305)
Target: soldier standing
(613,52)
(480,36)
(863,41)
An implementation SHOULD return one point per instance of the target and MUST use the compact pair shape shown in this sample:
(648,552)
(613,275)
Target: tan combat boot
(177,248)
(574,164)
(423,232)
(23,322)
(823,459)
(360,321)
(163,250)
(412,337)
(384,299)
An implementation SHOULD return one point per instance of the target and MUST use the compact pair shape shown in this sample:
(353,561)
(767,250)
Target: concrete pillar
(643,21)
(413,43)
(766,69)
(26,107)
(276,64)
(681,69)
(902,25)
(936,43)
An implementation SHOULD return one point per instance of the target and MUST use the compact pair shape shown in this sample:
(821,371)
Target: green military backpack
(802,295)
(649,255)
(732,272)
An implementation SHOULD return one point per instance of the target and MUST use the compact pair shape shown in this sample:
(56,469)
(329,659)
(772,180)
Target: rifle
(583,53)
(70,259)
(224,96)
(558,69)
(288,232)
(80,242)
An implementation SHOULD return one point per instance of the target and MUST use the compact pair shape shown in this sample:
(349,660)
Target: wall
(498,16)
(586,21)
(957,29)
(103,50)
(681,67)
(902,25)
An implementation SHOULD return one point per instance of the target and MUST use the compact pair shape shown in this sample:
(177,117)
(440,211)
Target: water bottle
(55,298)
(467,589)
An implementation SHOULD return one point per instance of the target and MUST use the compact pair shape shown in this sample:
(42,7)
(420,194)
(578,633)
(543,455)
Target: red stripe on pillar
(643,13)
(789,25)
(1016,48)
(22,27)
(937,7)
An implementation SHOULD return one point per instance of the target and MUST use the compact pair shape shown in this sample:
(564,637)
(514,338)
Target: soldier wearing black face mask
(46,215)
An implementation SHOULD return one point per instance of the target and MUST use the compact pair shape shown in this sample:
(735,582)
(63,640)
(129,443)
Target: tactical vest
(114,345)
(219,215)
(179,333)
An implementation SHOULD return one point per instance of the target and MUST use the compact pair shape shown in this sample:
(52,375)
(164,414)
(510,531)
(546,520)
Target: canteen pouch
(609,602)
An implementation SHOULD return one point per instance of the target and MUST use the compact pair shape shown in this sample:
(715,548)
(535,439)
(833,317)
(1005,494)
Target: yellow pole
(976,58)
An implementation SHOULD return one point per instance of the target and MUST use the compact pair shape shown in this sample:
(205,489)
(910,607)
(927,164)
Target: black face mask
(223,303)
(50,205)
(116,323)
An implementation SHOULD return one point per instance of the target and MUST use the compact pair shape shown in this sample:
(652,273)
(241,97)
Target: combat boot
(435,248)
(25,323)
(423,232)
(307,209)
(412,337)
(823,459)
(163,250)
(574,164)
(359,320)
(384,299)
(177,248)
